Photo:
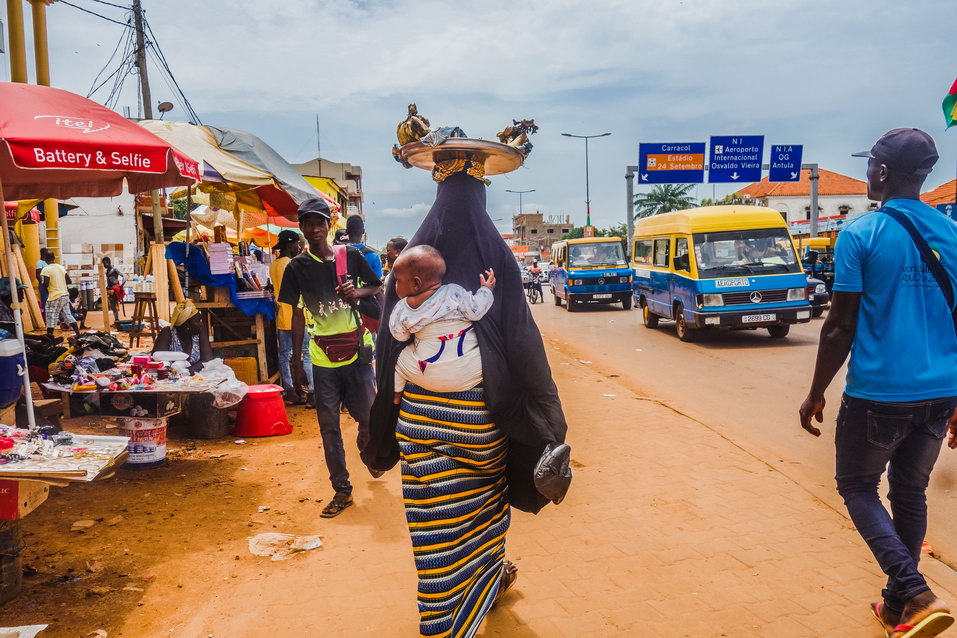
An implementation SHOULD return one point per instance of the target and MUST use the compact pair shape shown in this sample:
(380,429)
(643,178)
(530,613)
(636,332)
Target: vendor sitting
(186,334)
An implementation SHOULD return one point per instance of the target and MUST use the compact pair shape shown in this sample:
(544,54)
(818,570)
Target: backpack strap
(927,255)
(340,253)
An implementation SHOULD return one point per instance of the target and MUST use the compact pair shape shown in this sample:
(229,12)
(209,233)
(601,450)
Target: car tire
(817,312)
(779,332)
(558,300)
(627,302)
(685,332)
(570,304)
(650,319)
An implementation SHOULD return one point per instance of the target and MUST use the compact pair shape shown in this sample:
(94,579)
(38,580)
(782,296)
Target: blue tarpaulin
(198,267)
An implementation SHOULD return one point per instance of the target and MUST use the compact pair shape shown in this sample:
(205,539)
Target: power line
(158,53)
(123,36)
(110,4)
(94,13)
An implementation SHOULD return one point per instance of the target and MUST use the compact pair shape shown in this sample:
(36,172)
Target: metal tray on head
(498,158)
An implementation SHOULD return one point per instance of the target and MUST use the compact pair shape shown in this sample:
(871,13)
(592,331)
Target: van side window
(643,251)
(682,260)
(662,247)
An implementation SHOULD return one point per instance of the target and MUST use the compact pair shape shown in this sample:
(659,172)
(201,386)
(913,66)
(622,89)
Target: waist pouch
(340,347)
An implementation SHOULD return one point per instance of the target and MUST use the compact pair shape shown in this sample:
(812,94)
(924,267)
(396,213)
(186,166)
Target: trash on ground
(116,519)
(281,546)
(99,633)
(81,525)
(610,396)
(239,441)
(587,363)
(263,508)
(25,631)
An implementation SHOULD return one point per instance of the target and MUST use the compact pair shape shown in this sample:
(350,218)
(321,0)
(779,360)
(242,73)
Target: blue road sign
(671,163)
(736,158)
(948,209)
(785,163)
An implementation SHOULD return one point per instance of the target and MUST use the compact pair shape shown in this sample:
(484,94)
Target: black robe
(519,389)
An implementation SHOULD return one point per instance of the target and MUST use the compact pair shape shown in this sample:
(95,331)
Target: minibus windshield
(596,254)
(756,251)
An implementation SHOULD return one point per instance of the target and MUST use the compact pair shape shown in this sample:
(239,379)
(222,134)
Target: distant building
(339,180)
(839,196)
(943,194)
(538,233)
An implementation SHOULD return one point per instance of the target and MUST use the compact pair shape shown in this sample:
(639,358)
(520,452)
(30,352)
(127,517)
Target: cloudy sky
(830,75)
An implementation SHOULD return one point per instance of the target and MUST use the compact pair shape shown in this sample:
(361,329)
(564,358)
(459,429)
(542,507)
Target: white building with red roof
(838,197)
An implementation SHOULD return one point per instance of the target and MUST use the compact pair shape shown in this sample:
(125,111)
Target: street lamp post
(520,193)
(587,189)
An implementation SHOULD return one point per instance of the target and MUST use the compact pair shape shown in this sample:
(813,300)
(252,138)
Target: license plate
(601,296)
(757,318)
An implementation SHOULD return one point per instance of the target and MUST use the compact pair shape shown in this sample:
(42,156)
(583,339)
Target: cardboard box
(18,498)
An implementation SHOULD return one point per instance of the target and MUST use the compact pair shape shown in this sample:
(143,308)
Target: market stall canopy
(253,150)
(22,210)
(221,170)
(54,143)
(212,217)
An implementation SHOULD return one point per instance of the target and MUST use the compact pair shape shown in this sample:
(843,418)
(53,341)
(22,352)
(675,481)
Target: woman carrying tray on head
(467,456)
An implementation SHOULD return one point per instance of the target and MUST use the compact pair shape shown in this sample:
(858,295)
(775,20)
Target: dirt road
(671,530)
(745,384)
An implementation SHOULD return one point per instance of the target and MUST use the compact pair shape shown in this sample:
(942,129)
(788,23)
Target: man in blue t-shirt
(889,313)
(356,229)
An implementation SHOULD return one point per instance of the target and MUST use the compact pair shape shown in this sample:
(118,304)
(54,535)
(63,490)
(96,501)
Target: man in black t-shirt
(340,347)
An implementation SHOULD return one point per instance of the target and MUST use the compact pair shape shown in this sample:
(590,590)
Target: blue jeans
(905,439)
(285,356)
(353,386)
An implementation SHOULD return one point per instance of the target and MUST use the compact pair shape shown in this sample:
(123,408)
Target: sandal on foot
(930,625)
(509,576)
(880,611)
(335,507)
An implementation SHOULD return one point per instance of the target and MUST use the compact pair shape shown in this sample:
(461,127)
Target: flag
(950,106)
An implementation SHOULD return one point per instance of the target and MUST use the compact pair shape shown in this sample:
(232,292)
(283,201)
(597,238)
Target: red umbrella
(54,143)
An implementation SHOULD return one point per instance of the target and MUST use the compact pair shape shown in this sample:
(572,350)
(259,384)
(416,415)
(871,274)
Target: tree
(663,199)
(179,208)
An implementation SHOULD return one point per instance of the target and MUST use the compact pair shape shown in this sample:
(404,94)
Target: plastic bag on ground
(282,546)
(230,390)
(26,631)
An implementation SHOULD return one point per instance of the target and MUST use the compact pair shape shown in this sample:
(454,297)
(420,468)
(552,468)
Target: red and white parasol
(54,143)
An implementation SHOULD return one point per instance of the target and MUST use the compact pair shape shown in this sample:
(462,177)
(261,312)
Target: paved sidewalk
(669,531)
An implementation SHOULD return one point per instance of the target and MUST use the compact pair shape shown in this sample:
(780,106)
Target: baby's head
(417,269)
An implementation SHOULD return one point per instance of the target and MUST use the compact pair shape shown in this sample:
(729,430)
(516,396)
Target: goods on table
(45,453)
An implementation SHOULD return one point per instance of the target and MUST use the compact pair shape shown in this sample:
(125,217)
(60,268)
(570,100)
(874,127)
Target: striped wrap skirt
(456,504)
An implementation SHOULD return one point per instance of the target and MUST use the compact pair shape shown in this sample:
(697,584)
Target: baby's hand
(488,279)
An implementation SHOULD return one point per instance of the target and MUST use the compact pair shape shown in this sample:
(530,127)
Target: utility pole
(147,98)
(589,231)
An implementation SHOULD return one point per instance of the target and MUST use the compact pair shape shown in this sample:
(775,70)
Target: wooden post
(33,305)
(160,280)
(174,284)
(260,337)
(104,297)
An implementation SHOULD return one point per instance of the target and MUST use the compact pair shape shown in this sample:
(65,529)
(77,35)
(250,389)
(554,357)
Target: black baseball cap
(286,237)
(315,206)
(907,150)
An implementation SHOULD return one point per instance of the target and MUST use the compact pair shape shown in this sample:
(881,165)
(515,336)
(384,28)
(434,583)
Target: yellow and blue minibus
(590,270)
(731,267)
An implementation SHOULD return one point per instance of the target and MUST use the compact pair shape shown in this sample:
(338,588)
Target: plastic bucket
(147,446)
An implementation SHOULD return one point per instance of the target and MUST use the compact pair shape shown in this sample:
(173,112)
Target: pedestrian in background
(289,244)
(392,251)
(356,229)
(325,306)
(891,313)
(46,258)
(54,280)
(114,287)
